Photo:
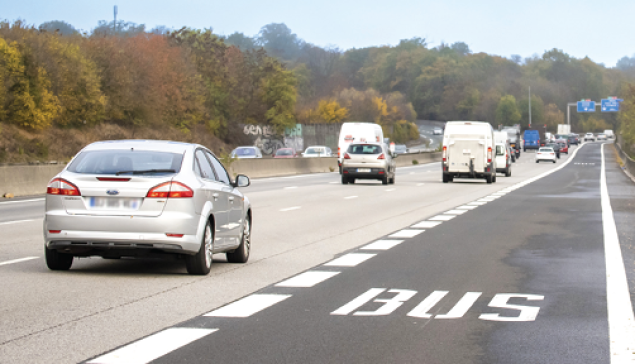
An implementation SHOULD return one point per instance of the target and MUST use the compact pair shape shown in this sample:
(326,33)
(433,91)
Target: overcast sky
(597,29)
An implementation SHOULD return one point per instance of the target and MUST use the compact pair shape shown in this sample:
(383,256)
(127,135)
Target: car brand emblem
(112,192)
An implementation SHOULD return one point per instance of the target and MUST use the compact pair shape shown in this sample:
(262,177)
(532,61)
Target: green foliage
(627,117)
(61,27)
(279,94)
(507,111)
(537,111)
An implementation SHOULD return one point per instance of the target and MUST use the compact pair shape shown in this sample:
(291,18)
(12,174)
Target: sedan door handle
(231,199)
(215,196)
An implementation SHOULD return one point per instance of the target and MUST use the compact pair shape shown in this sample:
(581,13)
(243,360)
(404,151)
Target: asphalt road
(537,245)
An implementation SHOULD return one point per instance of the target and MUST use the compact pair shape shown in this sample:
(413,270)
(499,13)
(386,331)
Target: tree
(279,95)
(241,41)
(537,111)
(61,27)
(121,29)
(552,116)
(461,48)
(507,111)
(279,41)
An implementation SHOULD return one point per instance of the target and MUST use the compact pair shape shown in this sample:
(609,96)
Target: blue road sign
(586,106)
(610,105)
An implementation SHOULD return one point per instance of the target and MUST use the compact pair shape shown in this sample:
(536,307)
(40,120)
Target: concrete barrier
(28,180)
(629,163)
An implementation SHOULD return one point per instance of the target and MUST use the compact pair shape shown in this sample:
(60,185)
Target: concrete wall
(27,180)
(629,163)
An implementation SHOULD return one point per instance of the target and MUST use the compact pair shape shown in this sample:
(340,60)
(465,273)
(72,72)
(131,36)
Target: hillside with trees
(61,89)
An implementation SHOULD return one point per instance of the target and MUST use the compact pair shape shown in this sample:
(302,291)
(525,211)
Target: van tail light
(346,156)
(60,186)
(338,152)
(381,156)
(170,190)
(445,153)
(489,155)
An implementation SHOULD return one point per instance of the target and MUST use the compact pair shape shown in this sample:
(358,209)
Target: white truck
(468,148)
(564,129)
(358,132)
(609,133)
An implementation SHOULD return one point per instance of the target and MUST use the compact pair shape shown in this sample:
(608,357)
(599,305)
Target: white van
(609,133)
(358,132)
(468,151)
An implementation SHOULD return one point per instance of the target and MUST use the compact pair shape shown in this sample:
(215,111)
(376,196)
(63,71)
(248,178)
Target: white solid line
(442,218)
(466,207)
(15,222)
(31,200)
(290,209)
(153,347)
(290,187)
(307,279)
(455,212)
(620,310)
(420,184)
(333,182)
(406,233)
(382,245)
(350,197)
(426,224)
(248,306)
(390,190)
(350,260)
(17,260)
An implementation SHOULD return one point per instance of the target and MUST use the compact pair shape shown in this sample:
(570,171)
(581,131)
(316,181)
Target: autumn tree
(507,111)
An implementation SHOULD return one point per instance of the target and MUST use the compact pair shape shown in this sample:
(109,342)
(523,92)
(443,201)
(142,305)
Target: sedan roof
(157,145)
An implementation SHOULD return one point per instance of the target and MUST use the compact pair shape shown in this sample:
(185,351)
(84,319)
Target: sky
(597,29)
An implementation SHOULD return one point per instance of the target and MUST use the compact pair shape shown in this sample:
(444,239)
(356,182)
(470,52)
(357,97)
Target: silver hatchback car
(369,161)
(146,198)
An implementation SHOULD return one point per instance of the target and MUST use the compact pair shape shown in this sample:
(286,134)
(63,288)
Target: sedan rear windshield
(364,149)
(126,162)
(284,152)
(546,150)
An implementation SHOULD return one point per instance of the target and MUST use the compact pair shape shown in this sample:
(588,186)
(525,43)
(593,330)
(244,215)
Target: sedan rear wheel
(384,180)
(241,254)
(56,260)
(201,262)
(344,180)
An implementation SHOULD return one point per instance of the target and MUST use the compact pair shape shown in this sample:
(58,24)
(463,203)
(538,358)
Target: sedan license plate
(363,170)
(115,203)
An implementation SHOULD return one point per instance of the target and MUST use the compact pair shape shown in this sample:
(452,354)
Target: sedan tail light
(60,186)
(170,190)
(346,156)
(381,156)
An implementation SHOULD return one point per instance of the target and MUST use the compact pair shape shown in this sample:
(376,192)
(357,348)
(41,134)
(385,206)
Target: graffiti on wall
(267,138)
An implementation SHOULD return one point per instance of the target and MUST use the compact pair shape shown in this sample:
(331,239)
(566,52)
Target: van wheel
(508,172)
(56,260)
(537,161)
(488,179)
(446,178)
(344,180)
(554,161)
(201,262)
(494,178)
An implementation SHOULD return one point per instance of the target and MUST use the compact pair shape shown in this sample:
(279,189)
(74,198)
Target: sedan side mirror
(241,181)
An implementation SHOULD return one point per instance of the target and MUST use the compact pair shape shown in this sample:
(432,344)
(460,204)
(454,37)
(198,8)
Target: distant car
(602,136)
(317,151)
(609,133)
(246,152)
(556,148)
(146,198)
(589,136)
(564,147)
(285,153)
(400,149)
(503,159)
(368,161)
(437,131)
(573,139)
(545,154)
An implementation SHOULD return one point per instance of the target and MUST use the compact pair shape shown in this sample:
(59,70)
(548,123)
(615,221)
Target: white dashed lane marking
(406,233)
(290,209)
(350,260)
(307,279)
(467,207)
(382,245)
(455,212)
(17,260)
(248,306)
(442,218)
(153,347)
(477,203)
(290,187)
(426,224)
(350,197)
(14,222)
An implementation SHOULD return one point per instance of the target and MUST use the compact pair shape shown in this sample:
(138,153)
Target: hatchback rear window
(364,149)
(126,162)
(245,151)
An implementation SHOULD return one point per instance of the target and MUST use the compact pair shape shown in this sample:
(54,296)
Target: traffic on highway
(357,267)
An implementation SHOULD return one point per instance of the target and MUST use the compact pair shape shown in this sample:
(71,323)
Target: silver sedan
(368,161)
(146,198)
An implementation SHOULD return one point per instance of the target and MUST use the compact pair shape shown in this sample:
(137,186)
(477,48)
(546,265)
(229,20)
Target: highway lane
(519,279)
(110,303)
